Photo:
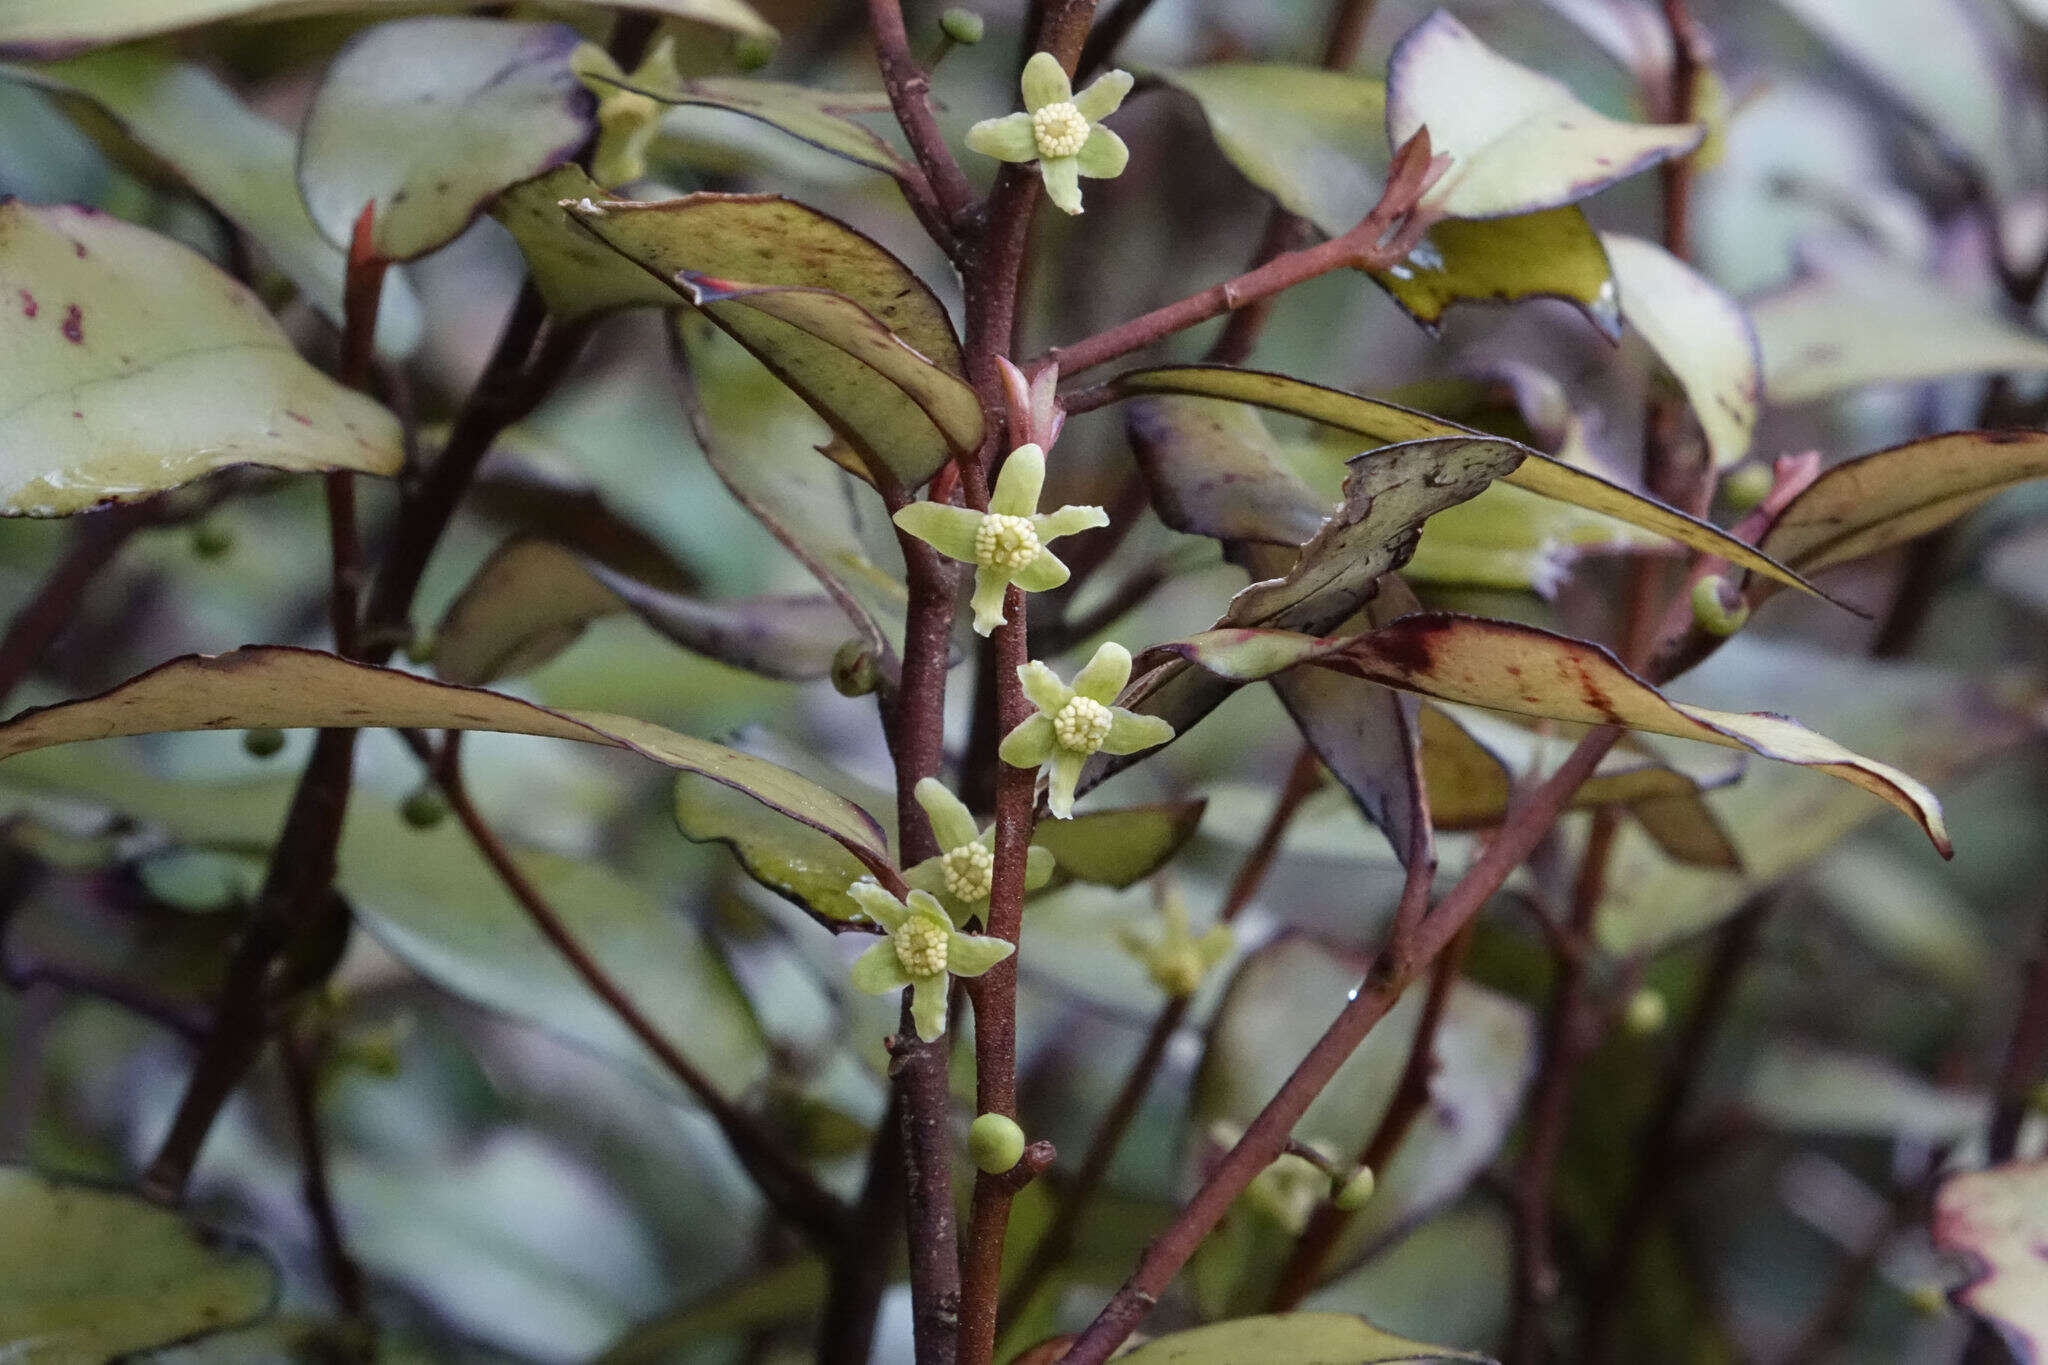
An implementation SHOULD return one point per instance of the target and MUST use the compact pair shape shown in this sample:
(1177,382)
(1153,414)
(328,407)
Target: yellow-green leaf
(1548,254)
(232,157)
(276,686)
(1518,140)
(818,117)
(1292,1339)
(1999,1219)
(89,1273)
(1122,846)
(798,864)
(430,119)
(1702,336)
(133,365)
(1526,671)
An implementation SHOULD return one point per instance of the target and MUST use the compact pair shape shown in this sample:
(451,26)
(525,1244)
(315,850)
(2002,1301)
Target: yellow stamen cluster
(921,947)
(1082,724)
(1009,543)
(969,870)
(1060,129)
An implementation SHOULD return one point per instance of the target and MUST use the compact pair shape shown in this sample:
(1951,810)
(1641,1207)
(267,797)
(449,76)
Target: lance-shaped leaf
(1387,423)
(92,1273)
(54,28)
(1702,336)
(818,117)
(1999,1219)
(577,275)
(1293,1339)
(430,119)
(286,688)
(1876,501)
(1526,671)
(1119,847)
(878,362)
(240,162)
(1213,471)
(1518,140)
(133,365)
(1871,320)
(802,866)
(1316,141)
(532,598)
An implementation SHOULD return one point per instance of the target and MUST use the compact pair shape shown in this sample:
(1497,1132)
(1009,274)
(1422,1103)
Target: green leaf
(1212,470)
(532,598)
(1119,847)
(1316,141)
(1802,1088)
(879,364)
(1702,336)
(577,275)
(234,158)
(815,116)
(1386,423)
(273,685)
(1291,1339)
(430,119)
(53,28)
(135,366)
(799,864)
(1877,501)
(789,1292)
(1999,1219)
(1518,141)
(1876,321)
(1526,671)
(89,1273)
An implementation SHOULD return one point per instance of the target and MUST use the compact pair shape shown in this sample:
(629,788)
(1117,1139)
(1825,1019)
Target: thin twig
(1108,36)
(344,1276)
(944,194)
(95,539)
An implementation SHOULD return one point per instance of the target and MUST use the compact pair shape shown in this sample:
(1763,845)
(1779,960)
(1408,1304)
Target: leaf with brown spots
(818,117)
(1526,671)
(134,365)
(1999,1219)
(270,686)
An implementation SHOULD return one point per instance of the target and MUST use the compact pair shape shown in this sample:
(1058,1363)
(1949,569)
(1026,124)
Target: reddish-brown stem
(1267,1136)
(2026,1058)
(1116,25)
(945,194)
(344,1276)
(361,292)
(1688,60)
(862,1264)
(95,539)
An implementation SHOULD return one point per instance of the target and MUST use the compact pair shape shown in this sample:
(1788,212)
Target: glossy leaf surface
(1702,336)
(1999,1219)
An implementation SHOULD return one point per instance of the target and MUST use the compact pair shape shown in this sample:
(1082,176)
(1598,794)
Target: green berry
(1747,486)
(1646,1012)
(962,25)
(1711,612)
(853,670)
(262,743)
(424,809)
(996,1143)
(1351,1198)
(211,541)
(753,52)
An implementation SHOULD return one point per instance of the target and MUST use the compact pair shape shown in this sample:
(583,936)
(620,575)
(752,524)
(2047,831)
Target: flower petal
(1067,521)
(1213,946)
(1105,674)
(1030,744)
(1039,865)
(951,821)
(973,954)
(1043,574)
(928,1006)
(1062,176)
(1103,95)
(1066,775)
(878,970)
(1045,82)
(1044,687)
(1018,485)
(1130,732)
(989,586)
(1008,138)
(1103,156)
(947,529)
(926,906)
(928,877)
(881,907)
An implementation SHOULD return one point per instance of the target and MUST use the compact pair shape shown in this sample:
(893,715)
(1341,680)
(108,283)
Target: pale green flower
(1176,958)
(1060,130)
(959,878)
(626,119)
(921,951)
(1005,544)
(1074,722)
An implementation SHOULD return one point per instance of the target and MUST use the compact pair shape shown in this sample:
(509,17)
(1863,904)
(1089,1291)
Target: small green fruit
(1710,610)
(424,809)
(262,743)
(1351,1198)
(753,52)
(1747,486)
(995,1143)
(211,541)
(1646,1012)
(853,670)
(962,25)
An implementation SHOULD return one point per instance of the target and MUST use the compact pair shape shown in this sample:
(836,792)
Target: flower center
(1060,129)
(1002,542)
(921,947)
(1081,725)
(970,870)
(1177,971)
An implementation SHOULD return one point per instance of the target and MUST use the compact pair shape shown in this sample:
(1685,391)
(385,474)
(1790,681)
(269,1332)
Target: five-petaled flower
(1074,722)
(1005,544)
(1060,130)
(921,951)
(960,877)
(1178,958)
(627,118)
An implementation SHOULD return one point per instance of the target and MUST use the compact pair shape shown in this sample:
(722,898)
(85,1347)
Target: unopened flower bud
(962,25)
(853,670)
(1646,1012)
(753,52)
(424,809)
(1352,1195)
(262,743)
(1710,610)
(995,1142)
(1746,486)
